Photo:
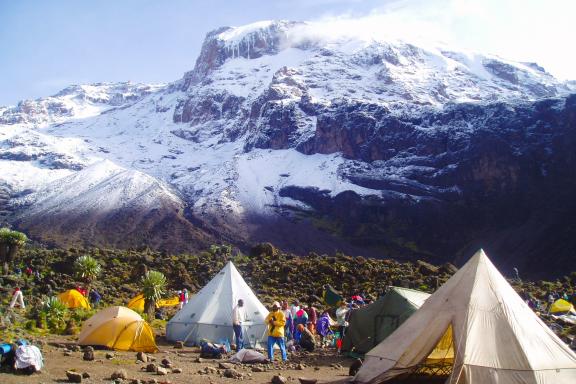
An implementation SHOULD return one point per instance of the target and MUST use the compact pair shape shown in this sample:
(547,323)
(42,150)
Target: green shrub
(56,312)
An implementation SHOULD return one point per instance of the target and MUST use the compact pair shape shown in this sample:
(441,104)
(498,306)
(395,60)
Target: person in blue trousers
(276,322)
(238,317)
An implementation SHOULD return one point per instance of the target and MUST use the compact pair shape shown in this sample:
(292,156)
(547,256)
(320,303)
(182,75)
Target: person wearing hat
(276,322)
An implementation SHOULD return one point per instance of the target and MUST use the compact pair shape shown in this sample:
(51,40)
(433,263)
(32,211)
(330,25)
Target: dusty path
(322,365)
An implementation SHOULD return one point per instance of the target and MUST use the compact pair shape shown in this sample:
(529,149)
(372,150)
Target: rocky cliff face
(379,148)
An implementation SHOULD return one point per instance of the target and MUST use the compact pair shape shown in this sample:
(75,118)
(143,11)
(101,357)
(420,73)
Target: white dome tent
(208,314)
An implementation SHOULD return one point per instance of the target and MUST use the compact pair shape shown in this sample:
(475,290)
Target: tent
(137,303)
(371,324)
(208,315)
(74,299)
(495,337)
(562,306)
(118,328)
(331,296)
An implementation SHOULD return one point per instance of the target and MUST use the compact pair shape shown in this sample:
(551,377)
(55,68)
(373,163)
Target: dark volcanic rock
(505,183)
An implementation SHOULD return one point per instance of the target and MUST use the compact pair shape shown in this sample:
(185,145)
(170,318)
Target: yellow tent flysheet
(562,306)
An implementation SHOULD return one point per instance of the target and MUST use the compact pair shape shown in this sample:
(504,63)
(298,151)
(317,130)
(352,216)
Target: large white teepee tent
(208,315)
(496,337)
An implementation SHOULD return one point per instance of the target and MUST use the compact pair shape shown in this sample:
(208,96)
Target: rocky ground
(272,274)
(176,366)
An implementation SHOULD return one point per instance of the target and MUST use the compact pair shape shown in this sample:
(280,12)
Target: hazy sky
(47,45)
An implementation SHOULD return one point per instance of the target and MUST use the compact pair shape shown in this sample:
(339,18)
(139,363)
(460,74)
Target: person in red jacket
(81,290)
(312,318)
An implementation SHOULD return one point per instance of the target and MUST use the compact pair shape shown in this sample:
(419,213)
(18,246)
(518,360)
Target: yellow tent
(118,328)
(137,303)
(562,306)
(74,299)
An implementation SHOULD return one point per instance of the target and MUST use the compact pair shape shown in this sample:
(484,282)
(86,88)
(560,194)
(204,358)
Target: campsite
(473,304)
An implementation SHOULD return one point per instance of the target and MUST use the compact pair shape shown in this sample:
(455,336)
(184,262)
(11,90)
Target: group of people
(295,326)
(183,297)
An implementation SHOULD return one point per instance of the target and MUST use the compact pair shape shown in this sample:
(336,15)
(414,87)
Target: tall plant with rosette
(153,287)
(87,269)
(10,244)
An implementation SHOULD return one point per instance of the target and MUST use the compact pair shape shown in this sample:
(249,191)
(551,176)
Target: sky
(48,45)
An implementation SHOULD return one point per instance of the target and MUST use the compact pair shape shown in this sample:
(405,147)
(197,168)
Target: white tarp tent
(496,337)
(208,315)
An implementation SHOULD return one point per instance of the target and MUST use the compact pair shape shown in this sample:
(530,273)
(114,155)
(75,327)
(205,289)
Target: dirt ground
(322,364)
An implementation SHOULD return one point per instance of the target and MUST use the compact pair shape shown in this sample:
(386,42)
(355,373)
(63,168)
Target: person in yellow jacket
(276,322)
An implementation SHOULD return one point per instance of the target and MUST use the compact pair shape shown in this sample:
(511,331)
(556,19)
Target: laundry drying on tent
(137,302)
(208,315)
(371,324)
(474,329)
(118,328)
(74,299)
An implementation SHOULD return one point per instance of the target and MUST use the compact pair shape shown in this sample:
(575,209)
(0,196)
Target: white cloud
(522,30)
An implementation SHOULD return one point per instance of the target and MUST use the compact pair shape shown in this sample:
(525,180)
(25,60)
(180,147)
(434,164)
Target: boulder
(88,354)
(151,368)
(119,374)
(448,268)
(74,377)
(141,356)
(279,379)
(426,269)
(161,371)
(232,373)
(263,249)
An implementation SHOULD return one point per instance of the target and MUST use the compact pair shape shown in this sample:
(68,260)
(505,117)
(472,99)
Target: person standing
(294,308)
(323,326)
(238,317)
(180,299)
(312,317)
(95,297)
(17,299)
(341,315)
(288,328)
(276,322)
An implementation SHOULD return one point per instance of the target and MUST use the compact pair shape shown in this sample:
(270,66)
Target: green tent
(371,324)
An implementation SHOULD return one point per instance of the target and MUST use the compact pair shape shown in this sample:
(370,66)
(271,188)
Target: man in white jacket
(238,317)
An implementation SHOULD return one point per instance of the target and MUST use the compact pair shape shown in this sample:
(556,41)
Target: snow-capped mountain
(381,148)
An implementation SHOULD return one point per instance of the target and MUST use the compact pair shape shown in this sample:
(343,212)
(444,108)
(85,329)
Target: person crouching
(307,341)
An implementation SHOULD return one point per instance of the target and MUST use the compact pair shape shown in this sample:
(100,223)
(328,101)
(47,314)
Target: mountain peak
(76,101)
